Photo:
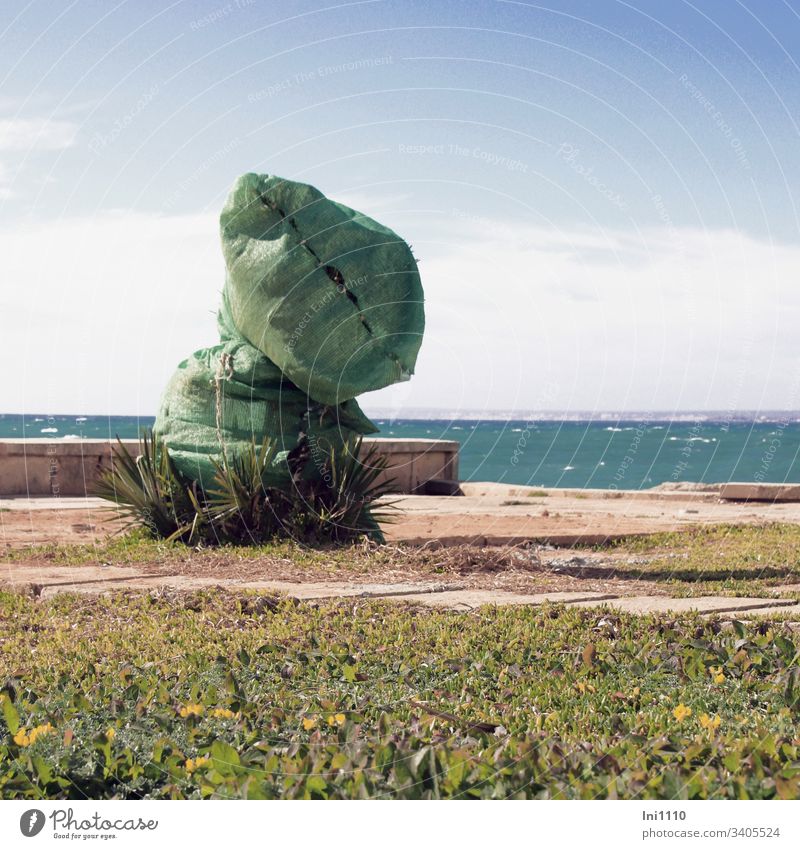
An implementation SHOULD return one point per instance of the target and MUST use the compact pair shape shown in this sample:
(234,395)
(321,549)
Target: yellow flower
(111,733)
(682,712)
(710,723)
(309,722)
(195,763)
(716,674)
(191,710)
(337,719)
(222,713)
(23,737)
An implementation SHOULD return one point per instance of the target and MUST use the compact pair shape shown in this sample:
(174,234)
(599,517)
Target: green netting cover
(320,304)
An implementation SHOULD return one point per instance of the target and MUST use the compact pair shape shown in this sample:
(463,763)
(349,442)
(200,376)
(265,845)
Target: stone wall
(41,467)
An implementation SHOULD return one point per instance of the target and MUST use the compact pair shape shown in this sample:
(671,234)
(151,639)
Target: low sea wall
(40,467)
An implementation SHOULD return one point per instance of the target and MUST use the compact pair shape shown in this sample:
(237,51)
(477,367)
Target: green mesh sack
(320,304)
(330,296)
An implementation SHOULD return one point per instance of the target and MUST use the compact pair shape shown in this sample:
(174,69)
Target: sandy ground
(498,516)
(568,518)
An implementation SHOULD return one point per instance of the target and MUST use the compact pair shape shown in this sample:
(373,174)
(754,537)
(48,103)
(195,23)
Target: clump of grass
(719,552)
(338,504)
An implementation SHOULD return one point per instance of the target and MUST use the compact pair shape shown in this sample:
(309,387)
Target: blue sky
(601,193)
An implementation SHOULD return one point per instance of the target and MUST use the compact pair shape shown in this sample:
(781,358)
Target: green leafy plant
(216,694)
(337,502)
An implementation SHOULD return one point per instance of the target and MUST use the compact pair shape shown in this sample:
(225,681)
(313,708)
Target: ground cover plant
(219,695)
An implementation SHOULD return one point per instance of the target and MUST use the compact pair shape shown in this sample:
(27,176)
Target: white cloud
(530,318)
(24,134)
(19,137)
(373,203)
(99,311)
(5,192)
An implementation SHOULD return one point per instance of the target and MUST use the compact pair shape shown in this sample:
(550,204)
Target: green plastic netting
(320,304)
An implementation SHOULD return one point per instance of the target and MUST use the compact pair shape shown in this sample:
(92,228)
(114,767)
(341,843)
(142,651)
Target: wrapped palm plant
(341,502)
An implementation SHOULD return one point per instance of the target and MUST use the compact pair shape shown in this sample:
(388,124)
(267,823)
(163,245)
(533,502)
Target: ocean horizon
(601,451)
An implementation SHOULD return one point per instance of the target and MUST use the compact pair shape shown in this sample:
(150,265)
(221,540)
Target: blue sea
(616,454)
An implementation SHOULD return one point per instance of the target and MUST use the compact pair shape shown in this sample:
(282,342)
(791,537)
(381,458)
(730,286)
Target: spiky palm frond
(242,507)
(356,488)
(338,504)
(147,489)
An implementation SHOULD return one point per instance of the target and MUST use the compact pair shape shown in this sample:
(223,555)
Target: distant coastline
(424,414)
(657,416)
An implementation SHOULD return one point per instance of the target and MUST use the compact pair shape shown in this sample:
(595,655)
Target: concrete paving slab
(48,581)
(478,598)
(333,589)
(155,582)
(701,604)
(188,583)
(15,575)
(791,613)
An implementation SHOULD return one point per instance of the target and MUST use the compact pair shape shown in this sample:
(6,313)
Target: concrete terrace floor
(488,514)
